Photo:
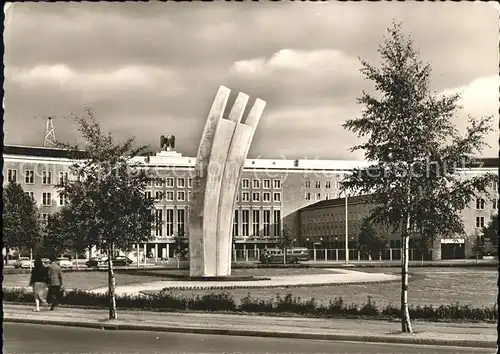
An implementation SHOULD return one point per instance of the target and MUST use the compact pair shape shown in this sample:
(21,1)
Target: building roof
(36,151)
(302,164)
(362,199)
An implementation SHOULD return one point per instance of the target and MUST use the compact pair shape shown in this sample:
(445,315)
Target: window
(307,184)
(266,184)
(245,183)
(63,178)
(170,182)
(189,196)
(318,184)
(170,196)
(495,186)
(148,194)
(277,222)
(318,196)
(256,197)
(277,183)
(181,214)
(62,199)
(12,175)
(158,222)
(480,203)
(31,195)
(328,184)
(277,197)
(46,177)
(479,221)
(327,196)
(169,222)
(45,220)
(255,222)
(181,196)
(494,203)
(267,222)
(158,195)
(337,185)
(190,182)
(159,182)
(245,197)
(256,184)
(237,196)
(308,196)
(46,199)
(181,182)
(30,177)
(150,182)
(235,223)
(266,197)
(245,216)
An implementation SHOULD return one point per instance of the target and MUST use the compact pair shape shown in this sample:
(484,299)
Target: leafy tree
(107,205)
(285,241)
(490,232)
(414,151)
(370,240)
(63,234)
(21,220)
(180,248)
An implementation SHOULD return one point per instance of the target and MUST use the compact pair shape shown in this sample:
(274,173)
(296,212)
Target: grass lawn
(82,280)
(430,286)
(433,286)
(262,272)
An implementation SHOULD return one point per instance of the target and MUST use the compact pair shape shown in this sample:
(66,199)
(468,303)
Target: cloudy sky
(149,69)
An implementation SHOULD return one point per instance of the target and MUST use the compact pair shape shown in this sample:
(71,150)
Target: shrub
(214,302)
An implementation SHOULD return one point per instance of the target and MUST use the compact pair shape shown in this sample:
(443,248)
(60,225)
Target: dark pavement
(31,338)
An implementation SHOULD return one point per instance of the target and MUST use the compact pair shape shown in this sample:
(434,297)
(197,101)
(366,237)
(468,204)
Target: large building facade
(271,195)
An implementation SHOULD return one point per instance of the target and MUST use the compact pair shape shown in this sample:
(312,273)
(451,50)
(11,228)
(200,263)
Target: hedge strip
(224,302)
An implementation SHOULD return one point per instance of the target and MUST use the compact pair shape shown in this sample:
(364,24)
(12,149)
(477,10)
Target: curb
(257,333)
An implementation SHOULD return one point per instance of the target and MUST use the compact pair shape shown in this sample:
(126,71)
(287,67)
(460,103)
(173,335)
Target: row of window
(241,223)
(169,182)
(481,203)
(169,222)
(169,195)
(266,197)
(29,177)
(317,184)
(47,198)
(256,183)
(317,196)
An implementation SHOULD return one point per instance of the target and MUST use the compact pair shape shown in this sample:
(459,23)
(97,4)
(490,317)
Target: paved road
(29,338)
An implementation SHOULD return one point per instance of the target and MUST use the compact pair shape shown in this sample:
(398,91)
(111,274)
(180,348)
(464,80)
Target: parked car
(64,262)
(23,262)
(301,253)
(102,262)
(276,258)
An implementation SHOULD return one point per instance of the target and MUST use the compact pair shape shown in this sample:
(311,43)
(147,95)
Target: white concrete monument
(221,155)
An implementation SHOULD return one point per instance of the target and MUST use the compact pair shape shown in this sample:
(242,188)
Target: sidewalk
(450,334)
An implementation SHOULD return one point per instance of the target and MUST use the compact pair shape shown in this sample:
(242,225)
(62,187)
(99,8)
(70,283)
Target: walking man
(55,283)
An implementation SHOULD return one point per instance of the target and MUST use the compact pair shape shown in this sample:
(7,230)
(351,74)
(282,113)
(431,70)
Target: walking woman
(38,281)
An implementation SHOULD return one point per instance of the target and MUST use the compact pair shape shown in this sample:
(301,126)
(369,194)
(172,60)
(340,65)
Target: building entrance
(452,251)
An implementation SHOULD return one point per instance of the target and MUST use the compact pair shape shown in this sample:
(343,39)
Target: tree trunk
(405,313)
(370,258)
(284,255)
(7,249)
(111,287)
(178,260)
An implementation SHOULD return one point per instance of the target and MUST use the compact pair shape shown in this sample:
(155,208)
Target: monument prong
(221,155)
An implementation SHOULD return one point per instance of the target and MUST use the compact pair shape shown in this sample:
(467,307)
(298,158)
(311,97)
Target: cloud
(148,68)
(96,81)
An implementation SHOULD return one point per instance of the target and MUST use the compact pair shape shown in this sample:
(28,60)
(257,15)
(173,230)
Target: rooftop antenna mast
(50,135)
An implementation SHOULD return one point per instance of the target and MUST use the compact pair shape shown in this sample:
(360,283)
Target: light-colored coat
(55,274)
